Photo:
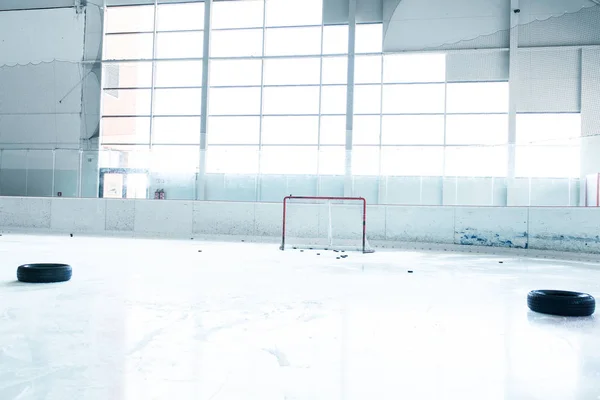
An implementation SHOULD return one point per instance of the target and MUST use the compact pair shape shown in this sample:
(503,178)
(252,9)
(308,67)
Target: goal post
(318,222)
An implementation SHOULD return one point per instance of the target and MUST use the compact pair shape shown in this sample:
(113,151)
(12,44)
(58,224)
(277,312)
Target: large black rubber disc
(559,302)
(44,273)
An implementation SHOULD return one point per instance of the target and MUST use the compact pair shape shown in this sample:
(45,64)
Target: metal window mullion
(320,109)
(26,171)
(101,108)
(53,172)
(179,30)
(224,58)
(153,78)
(381,190)
(254,57)
(261,111)
(80,174)
(445,129)
(124,33)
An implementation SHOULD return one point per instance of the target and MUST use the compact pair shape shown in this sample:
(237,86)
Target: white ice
(156,319)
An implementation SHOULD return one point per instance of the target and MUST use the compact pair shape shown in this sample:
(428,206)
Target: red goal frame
(364,215)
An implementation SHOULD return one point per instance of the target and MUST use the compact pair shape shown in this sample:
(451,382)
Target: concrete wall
(550,228)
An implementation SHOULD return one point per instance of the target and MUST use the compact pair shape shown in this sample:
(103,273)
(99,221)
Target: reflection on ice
(150,319)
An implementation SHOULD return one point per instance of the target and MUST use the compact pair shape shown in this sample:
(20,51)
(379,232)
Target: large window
(479,97)
(277,99)
(235,73)
(399,105)
(413,130)
(180,17)
(237,43)
(154,103)
(237,14)
(293,12)
(335,39)
(129,19)
(274,112)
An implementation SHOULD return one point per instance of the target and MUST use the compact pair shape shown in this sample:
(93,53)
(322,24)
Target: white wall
(557,67)
(40,100)
(548,80)
(33,4)
(590,111)
(40,35)
(476,24)
(548,228)
(36,109)
(417,24)
(336,11)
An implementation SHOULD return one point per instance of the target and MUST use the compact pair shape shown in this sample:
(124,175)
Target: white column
(201,180)
(350,96)
(512,95)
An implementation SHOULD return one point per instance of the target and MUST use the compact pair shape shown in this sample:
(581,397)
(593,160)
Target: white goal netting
(332,223)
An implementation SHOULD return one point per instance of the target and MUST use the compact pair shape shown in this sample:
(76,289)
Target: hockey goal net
(333,223)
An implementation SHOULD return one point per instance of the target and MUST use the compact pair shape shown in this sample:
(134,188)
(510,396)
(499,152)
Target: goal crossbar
(361,200)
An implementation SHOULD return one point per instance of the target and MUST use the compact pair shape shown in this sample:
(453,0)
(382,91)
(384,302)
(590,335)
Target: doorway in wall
(123,183)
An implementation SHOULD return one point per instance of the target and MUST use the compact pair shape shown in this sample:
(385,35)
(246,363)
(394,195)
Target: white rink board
(543,228)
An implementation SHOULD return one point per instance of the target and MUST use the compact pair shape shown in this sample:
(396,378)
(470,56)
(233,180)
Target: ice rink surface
(157,319)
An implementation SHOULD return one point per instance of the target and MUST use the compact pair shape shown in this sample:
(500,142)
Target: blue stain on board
(589,244)
(470,237)
(474,237)
(578,239)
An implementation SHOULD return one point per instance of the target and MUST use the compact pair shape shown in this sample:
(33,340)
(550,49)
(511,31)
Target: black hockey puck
(500,262)
(318,254)
(199,251)
(560,302)
(337,258)
(410,272)
(44,273)
(301,251)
